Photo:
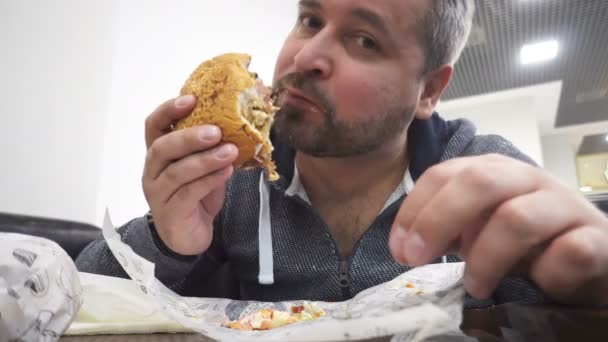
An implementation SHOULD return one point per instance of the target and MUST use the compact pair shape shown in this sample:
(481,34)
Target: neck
(344,178)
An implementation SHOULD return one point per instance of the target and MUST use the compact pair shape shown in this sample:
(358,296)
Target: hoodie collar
(427,140)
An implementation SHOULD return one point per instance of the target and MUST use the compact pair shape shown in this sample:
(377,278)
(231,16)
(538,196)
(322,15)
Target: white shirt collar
(296,188)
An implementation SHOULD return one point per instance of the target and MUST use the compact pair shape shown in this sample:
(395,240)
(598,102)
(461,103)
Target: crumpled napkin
(40,291)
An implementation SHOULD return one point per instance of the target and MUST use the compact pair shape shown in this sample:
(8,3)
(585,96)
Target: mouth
(295,97)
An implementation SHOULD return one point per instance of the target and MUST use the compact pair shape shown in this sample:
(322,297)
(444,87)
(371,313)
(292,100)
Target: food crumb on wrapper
(408,285)
(266,319)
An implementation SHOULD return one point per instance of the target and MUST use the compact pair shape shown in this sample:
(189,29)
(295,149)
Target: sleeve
(140,234)
(517,289)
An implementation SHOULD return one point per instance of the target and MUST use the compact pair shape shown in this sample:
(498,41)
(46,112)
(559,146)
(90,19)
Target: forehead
(399,16)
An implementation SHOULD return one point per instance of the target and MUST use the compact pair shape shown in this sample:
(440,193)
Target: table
(503,323)
(138,338)
(550,323)
(156,338)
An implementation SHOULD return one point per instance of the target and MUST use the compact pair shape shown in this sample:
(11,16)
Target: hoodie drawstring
(266,275)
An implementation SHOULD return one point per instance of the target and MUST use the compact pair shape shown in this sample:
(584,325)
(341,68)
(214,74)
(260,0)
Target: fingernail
(184,101)
(396,243)
(208,132)
(473,287)
(398,238)
(224,151)
(413,248)
(400,234)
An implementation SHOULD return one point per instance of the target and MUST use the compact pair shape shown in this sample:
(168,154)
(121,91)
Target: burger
(237,101)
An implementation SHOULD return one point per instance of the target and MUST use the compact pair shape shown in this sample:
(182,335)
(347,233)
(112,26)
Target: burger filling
(257,107)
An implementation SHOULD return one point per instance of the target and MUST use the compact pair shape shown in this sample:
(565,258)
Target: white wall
(560,158)
(78,78)
(159,43)
(561,145)
(55,66)
(526,116)
(515,120)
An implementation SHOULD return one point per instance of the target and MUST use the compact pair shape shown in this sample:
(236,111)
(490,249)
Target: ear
(434,83)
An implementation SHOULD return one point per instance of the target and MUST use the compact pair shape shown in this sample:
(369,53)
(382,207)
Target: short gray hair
(445,30)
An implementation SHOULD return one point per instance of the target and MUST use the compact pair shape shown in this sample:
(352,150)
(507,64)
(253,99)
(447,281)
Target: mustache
(305,83)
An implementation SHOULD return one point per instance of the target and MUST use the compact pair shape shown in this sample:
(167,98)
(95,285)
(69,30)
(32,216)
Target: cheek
(360,92)
(284,63)
(359,95)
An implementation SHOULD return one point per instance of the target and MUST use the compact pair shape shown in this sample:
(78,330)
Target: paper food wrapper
(40,291)
(432,307)
(116,306)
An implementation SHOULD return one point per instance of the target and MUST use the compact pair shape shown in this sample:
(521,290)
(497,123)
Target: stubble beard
(338,139)
(334,138)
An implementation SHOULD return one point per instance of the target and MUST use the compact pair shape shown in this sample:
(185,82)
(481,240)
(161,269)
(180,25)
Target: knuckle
(145,185)
(189,136)
(172,173)
(405,215)
(202,162)
(479,270)
(183,138)
(151,192)
(148,121)
(425,221)
(183,194)
(437,173)
(186,136)
(516,219)
(579,252)
(150,124)
(208,164)
(549,279)
(210,181)
(479,177)
(153,152)
(149,158)
(495,157)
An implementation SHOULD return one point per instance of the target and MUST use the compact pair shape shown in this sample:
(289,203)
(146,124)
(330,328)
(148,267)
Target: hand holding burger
(220,122)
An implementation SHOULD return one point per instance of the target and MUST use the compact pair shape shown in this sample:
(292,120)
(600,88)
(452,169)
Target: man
(360,80)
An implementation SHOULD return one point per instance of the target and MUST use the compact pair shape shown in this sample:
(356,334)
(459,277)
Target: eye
(310,21)
(367,43)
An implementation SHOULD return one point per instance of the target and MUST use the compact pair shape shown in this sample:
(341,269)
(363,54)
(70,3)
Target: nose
(314,57)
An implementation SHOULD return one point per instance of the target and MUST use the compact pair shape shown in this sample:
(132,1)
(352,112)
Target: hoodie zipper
(344,280)
(344,264)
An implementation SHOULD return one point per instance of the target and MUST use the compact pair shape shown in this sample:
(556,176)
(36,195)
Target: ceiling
(490,62)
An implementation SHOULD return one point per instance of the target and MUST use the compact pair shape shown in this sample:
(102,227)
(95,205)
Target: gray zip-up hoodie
(278,247)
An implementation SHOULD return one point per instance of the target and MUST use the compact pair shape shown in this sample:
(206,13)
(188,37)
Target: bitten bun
(234,99)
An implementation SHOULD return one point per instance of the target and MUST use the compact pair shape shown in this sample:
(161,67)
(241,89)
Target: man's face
(348,75)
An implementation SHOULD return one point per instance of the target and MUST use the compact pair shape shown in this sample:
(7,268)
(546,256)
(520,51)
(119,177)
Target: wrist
(162,246)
